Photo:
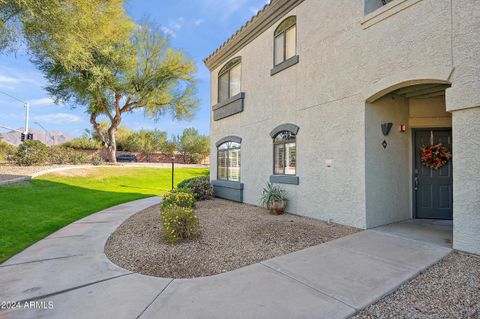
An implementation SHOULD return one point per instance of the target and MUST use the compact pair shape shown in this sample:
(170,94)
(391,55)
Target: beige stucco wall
(466,180)
(465,55)
(342,64)
(387,171)
(429,113)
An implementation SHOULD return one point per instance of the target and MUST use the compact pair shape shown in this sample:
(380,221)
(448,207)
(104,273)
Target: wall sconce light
(386,127)
(402,128)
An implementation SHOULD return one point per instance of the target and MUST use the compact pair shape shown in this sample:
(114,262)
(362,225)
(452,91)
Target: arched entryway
(430,125)
(399,186)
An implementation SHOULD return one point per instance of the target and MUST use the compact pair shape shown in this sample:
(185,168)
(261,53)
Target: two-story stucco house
(338,100)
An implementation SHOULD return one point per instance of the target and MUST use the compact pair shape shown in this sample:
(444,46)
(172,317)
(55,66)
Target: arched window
(229,79)
(285,149)
(285,42)
(228,159)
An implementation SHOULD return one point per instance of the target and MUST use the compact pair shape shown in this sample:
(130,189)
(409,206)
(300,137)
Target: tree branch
(96,126)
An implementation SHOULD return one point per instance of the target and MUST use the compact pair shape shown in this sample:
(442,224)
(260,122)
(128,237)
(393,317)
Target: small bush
(84,143)
(6,151)
(97,160)
(199,186)
(179,223)
(57,155)
(31,152)
(195,158)
(66,155)
(79,157)
(182,190)
(177,199)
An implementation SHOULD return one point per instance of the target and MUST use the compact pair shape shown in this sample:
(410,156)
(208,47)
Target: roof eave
(264,19)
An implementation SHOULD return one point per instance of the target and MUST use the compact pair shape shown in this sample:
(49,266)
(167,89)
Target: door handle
(415,183)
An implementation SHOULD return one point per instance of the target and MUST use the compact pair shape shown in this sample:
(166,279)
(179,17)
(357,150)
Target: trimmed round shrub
(177,199)
(182,190)
(199,186)
(179,223)
(31,152)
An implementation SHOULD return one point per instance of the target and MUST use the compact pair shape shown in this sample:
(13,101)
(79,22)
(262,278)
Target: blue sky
(196,26)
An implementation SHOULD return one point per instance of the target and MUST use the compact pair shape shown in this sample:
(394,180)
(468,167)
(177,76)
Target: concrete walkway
(69,273)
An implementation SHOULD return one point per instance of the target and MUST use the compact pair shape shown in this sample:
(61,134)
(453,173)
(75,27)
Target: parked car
(127,158)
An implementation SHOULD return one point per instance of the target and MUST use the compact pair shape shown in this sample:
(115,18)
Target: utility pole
(26,105)
(27,111)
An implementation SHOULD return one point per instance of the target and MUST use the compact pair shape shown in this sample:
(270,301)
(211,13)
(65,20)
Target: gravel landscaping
(233,235)
(450,289)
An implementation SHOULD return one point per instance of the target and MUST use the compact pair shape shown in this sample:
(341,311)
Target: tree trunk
(108,141)
(112,145)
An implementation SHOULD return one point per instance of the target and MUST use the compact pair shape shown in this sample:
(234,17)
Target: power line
(26,105)
(13,97)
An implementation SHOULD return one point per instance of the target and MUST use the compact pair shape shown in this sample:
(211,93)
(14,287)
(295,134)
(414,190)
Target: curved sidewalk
(69,272)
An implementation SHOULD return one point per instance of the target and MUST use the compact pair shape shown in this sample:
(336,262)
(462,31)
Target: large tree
(71,32)
(141,74)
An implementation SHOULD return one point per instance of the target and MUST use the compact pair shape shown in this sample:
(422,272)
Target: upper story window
(228,161)
(372,5)
(284,153)
(285,43)
(229,79)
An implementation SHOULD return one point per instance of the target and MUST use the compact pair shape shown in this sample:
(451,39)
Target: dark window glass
(223,87)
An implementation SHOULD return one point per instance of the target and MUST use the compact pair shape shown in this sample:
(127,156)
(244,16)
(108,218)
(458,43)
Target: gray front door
(433,189)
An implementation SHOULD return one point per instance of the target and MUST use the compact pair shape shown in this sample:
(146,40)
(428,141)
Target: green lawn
(29,211)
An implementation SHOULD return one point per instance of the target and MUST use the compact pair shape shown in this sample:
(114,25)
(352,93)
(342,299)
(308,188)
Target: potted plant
(274,198)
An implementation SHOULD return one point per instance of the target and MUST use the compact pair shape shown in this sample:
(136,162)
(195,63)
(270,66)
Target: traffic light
(28,136)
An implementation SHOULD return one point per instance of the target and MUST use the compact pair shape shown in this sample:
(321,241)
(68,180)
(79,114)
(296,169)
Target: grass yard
(30,211)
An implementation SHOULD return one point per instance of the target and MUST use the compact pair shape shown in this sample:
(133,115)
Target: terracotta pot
(278,207)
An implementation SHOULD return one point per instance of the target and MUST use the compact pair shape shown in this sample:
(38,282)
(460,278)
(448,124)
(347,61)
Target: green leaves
(94,56)
(68,32)
(193,145)
(271,193)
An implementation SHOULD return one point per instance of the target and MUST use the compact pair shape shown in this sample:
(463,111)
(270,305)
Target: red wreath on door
(435,156)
